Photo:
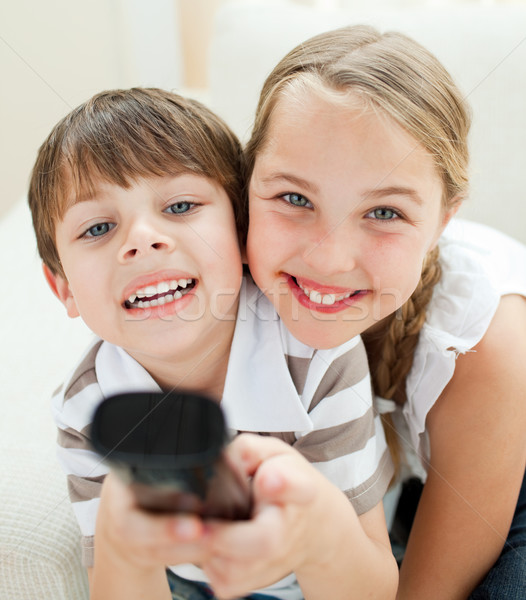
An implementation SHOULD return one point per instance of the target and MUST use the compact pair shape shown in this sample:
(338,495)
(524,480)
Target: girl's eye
(383,214)
(99,229)
(297,200)
(179,208)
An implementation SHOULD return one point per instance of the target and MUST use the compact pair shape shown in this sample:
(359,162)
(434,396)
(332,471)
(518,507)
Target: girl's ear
(60,287)
(451,211)
(448,215)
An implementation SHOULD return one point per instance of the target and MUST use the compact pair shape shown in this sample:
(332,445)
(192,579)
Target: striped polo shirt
(319,401)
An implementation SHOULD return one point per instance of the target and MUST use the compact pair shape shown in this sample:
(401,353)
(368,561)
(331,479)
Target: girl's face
(344,206)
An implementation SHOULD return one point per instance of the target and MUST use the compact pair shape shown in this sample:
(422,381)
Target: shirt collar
(259,394)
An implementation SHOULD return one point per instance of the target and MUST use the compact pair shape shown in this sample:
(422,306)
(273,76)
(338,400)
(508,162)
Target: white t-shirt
(479,265)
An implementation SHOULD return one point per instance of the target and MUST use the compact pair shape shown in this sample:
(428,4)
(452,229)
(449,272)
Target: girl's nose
(143,238)
(332,250)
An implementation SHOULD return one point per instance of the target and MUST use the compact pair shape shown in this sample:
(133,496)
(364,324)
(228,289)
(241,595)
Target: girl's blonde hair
(396,75)
(120,135)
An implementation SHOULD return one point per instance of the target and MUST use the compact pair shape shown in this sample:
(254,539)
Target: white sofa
(484,47)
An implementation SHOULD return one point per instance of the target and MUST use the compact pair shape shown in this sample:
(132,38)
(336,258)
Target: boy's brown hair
(120,135)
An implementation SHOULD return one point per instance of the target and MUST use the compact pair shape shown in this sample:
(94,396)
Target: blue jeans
(184,589)
(507,578)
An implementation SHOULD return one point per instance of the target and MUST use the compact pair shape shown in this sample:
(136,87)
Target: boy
(138,209)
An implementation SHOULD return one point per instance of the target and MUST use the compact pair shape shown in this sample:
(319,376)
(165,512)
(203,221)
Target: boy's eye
(99,229)
(179,208)
(383,214)
(296,200)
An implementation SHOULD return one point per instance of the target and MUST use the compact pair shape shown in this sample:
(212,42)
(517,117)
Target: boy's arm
(133,547)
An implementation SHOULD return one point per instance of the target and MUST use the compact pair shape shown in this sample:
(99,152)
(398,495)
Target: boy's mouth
(160,293)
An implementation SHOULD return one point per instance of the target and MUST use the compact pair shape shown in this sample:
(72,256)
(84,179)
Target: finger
(251,450)
(286,479)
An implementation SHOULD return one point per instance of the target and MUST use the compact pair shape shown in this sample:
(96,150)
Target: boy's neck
(204,372)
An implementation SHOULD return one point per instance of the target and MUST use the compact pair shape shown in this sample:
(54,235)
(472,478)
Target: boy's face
(155,269)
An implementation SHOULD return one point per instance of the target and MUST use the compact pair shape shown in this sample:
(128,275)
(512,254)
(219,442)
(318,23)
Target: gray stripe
(88,550)
(341,440)
(298,369)
(84,374)
(286,436)
(71,438)
(368,494)
(84,488)
(345,372)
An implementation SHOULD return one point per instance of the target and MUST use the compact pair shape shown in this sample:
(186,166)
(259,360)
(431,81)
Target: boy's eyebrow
(379,193)
(292,179)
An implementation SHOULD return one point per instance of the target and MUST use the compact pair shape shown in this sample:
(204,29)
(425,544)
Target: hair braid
(391,348)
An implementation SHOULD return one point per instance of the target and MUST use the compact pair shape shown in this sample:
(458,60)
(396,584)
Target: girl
(357,163)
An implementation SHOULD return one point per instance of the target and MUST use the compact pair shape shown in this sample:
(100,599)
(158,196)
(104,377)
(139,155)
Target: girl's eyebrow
(289,178)
(379,193)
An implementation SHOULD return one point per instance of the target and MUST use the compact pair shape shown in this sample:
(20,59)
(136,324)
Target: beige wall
(53,55)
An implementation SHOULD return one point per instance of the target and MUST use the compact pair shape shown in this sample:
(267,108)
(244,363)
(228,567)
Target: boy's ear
(60,287)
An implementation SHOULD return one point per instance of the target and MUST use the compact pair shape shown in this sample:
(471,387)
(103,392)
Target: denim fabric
(507,578)
(183,589)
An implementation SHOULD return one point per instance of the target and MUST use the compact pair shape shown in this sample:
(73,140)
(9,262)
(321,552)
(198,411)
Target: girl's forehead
(358,146)
(318,117)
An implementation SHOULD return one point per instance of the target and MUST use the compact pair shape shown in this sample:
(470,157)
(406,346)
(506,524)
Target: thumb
(285,480)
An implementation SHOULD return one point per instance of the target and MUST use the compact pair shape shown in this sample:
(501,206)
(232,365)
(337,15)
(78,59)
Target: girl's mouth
(320,299)
(160,293)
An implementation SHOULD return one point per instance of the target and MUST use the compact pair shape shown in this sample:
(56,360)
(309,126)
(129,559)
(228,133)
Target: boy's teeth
(161,289)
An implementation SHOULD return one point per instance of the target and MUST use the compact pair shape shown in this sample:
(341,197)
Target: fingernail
(186,529)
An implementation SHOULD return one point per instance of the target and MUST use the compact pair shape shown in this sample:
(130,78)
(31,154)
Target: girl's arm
(302,524)
(478,456)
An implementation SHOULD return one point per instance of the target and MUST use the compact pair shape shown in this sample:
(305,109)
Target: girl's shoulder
(479,265)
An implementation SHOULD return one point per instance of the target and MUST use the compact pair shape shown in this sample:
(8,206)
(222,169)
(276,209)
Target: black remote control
(169,447)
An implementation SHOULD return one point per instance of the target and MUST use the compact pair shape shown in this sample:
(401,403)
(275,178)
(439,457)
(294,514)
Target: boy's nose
(144,238)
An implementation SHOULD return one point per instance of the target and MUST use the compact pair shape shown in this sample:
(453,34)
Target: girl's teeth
(327,299)
(315,296)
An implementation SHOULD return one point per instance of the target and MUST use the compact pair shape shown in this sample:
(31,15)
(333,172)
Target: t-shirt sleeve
(347,443)
(73,406)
